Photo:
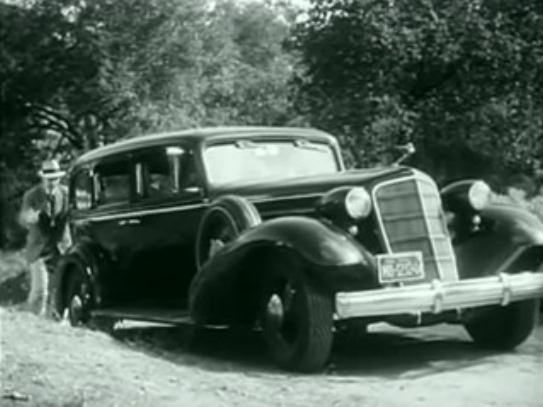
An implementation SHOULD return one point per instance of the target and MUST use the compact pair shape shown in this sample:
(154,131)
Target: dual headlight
(358,203)
(479,195)
(468,194)
(346,204)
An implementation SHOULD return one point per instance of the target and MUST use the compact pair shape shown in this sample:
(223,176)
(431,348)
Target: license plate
(400,267)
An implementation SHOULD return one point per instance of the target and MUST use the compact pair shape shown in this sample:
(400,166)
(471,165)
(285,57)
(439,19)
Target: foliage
(454,77)
(90,72)
(77,74)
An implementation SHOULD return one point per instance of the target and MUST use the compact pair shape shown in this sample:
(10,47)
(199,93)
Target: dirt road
(45,364)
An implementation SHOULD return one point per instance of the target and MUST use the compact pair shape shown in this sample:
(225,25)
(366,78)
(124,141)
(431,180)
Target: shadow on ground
(13,290)
(382,354)
(14,284)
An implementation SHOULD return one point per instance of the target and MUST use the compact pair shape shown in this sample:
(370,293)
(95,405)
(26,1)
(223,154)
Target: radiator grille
(411,219)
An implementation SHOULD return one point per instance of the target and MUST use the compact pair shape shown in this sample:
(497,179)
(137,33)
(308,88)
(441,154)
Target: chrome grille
(411,219)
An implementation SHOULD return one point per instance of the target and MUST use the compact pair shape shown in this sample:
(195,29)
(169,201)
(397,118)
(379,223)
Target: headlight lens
(358,203)
(479,195)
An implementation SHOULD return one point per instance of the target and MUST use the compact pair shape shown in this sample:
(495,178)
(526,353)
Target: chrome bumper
(440,296)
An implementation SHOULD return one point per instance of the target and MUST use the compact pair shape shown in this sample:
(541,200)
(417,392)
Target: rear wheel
(503,328)
(78,298)
(297,322)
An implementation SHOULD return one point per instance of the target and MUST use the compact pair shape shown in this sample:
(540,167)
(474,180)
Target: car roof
(198,135)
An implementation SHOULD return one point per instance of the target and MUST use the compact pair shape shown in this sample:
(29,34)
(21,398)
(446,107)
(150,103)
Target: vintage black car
(263,227)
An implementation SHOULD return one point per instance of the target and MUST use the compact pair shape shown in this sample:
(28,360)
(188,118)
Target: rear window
(113,182)
(82,190)
(164,172)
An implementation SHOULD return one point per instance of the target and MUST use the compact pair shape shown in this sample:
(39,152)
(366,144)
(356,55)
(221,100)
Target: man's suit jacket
(51,228)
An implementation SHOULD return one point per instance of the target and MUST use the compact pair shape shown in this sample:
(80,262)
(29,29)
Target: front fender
(334,260)
(522,226)
(320,243)
(510,237)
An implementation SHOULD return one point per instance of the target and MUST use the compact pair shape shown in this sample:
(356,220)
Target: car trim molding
(263,199)
(177,208)
(144,212)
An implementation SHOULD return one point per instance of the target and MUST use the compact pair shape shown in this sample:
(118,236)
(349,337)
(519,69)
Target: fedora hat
(51,169)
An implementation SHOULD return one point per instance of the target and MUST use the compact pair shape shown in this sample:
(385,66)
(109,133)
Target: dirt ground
(47,364)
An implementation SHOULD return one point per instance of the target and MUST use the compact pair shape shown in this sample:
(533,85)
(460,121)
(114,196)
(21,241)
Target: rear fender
(89,259)
(229,285)
(510,240)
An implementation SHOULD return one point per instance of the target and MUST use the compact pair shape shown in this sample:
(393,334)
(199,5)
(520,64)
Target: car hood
(313,185)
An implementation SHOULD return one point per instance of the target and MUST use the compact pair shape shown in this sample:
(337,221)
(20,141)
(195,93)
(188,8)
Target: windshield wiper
(307,145)
(246,144)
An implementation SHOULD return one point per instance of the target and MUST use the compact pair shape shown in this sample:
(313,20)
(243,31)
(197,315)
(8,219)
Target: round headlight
(358,203)
(479,195)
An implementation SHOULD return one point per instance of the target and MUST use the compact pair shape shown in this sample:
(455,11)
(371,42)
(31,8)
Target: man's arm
(28,215)
(66,239)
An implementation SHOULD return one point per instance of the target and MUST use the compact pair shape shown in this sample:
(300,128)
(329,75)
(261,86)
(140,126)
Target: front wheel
(297,323)
(503,328)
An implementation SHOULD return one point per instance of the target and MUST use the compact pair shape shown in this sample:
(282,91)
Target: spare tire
(222,222)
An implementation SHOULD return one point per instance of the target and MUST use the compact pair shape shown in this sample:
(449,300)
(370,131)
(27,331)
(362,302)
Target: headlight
(358,203)
(479,195)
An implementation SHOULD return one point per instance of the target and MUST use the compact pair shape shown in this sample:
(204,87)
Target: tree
(77,74)
(455,77)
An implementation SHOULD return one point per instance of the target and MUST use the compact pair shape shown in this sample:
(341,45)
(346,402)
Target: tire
(297,322)
(78,299)
(222,223)
(503,328)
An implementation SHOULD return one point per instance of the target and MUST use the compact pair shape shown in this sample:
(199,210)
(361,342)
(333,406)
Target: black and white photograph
(271,203)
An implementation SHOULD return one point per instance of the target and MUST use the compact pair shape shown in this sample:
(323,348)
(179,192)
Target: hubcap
(76,309)
(281,313)
(214,246)
(275,310)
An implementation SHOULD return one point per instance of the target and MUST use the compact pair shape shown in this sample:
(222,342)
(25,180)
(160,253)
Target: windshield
(254,161)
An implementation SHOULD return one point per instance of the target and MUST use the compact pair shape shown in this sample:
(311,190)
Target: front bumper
(440,296)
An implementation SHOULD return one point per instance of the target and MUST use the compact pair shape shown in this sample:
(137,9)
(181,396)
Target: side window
(81,195)
(112,182)
(165,172)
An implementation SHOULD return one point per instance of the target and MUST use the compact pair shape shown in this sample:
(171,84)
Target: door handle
(128,222)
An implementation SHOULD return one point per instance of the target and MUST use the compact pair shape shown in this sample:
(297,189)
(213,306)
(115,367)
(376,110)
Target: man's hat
(51,169)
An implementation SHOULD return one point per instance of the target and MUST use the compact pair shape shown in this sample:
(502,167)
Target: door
(166,214)
(112,224)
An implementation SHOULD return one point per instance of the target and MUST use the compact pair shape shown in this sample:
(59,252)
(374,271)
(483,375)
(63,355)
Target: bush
(14,284)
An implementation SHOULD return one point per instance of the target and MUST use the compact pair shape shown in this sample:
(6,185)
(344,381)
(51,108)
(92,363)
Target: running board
(161,315)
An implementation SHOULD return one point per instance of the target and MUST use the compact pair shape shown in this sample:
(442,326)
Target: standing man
(44,212)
